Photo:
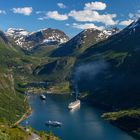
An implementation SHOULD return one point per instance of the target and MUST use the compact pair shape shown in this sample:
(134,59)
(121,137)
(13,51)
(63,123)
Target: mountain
(82,41)
(58,69)
(104,65)
(3,37)
(11,101)
(14,67)
(29,41)
(107,75)
(116,84)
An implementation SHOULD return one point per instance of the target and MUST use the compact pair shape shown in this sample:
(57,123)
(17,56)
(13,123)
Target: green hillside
(128,120)
(12,105)
(117,86)
(15,68)
(109,77)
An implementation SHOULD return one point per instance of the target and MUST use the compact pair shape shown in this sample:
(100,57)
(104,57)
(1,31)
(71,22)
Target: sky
(70,16)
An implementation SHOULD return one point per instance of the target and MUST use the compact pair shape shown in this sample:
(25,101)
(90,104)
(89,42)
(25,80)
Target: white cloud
(93,16)
(87,26)
(126,22)
(131,15)
(67,24)
(56,16)
(42,18)
(61,5)
(135,15)
(3,12)
(25,10)
(39,12)
(95,6)
(88,14)
(52,15)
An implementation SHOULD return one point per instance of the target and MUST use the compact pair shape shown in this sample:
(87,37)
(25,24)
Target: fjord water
(80,124)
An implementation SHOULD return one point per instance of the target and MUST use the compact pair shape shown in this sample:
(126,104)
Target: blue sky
(71,16)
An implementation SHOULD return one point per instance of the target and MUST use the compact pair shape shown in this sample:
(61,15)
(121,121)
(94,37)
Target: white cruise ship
(74,104)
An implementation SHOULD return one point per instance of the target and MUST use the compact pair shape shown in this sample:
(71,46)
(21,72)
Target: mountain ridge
(30,40)
(121,53)
(108,69)
(82,41)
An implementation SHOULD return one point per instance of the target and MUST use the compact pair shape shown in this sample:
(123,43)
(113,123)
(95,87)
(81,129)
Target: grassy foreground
(19,133)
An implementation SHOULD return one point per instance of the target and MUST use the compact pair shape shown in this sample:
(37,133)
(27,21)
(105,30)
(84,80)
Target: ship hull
(74,105)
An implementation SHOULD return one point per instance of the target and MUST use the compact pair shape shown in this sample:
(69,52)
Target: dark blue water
(81,124)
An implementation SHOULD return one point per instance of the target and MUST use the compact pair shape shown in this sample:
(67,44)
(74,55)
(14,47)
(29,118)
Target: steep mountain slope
(3,38)
(57,72)
(14,67)
(11,102)
(30,41)
(128,120)
(58,69)
(117,85)
(82,41)
(109,74)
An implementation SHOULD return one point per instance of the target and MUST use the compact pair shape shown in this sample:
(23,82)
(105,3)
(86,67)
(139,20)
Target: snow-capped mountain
(83,40)
(29,41)
(107,33)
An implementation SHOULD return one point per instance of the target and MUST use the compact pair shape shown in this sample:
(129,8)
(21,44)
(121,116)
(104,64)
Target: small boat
(43,97)
(53,123)
(74,104)
(49,92)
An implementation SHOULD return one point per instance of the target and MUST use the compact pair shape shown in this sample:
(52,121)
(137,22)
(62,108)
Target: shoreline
(133,133)
(25,116)
(53,93)
(29,112)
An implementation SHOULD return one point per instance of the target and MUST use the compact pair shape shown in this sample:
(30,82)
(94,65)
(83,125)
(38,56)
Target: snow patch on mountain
(16,32)
(107,33)
(28,41)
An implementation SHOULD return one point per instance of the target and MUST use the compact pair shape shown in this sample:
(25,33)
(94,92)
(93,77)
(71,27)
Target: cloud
(67,24)
(93,16)
(87,26)
(52,15)
(3,12)
(42,18)
(61,5)
(132,17)
(40,12)
(95,6)
(126,22)
(135,15)
(88,14)
(56,16)
(25,11)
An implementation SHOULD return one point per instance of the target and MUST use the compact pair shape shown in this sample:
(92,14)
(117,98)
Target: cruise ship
(74,104)
(53,123)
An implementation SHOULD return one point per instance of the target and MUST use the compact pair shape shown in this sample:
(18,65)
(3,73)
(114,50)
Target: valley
(103,66)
